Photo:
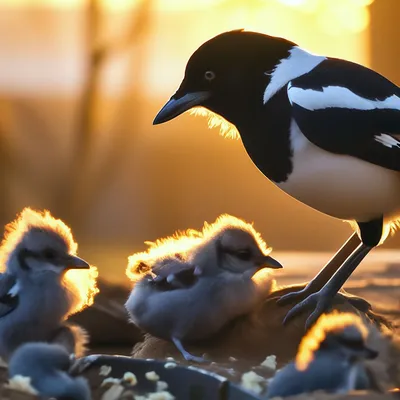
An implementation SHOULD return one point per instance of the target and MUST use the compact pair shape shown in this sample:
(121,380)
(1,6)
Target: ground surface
(377,280)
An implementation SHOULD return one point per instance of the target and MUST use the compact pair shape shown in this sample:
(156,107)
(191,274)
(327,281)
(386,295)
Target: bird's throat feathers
(226,129)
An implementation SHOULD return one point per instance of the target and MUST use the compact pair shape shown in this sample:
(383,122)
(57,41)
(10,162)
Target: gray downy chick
(37,251)
(330,358)
(230,254)
(47,366)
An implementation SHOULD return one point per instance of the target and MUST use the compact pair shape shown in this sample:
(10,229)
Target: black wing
(8,300)
(174,273)
(345,108)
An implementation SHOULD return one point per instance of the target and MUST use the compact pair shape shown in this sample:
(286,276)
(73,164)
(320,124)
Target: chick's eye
(244,255)
(353,343)
(209,75)
(49,254)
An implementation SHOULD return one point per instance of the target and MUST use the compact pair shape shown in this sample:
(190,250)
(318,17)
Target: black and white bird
(47,367)
(330,358)
(225,263)
(35,301)
(324,130)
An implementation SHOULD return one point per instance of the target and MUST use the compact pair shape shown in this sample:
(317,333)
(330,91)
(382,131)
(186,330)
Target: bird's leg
(371,233)
(318,282)
(185,353)
(322,299)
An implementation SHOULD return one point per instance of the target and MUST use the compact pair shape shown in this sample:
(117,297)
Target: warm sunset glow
(140,264)
(110,5)
(81,283)
(334,28)
(327,323)
(262,276)
(186,242)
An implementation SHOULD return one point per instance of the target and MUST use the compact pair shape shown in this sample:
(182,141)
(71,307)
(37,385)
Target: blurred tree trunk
(127,118)
(82,185)
(83,133)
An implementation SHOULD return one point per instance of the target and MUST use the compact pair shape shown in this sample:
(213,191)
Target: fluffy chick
(225,261)
(35,294)
(47,367)
(330,358)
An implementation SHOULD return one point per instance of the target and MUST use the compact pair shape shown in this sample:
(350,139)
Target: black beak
(269,262)
(74,262)
(175,107)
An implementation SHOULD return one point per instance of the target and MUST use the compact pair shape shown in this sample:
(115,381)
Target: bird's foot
(319,301)
(299,295)
(186,355)
(191,357)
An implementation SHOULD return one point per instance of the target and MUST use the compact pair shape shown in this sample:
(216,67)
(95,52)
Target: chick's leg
(325,273)
(185,353)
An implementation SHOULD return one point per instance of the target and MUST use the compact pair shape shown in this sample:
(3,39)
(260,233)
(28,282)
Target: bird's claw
(317,301)
(293,296)
(191,357)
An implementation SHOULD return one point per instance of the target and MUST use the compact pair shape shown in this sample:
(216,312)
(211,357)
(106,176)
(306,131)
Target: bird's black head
(227,75)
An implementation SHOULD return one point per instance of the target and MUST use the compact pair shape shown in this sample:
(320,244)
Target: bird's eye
(49,254)
(352,343)
(209,75)
(244,255)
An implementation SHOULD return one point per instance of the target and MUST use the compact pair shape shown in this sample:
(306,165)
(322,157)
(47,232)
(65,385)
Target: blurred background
(81,81)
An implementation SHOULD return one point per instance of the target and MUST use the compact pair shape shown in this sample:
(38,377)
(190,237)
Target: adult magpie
(324,130)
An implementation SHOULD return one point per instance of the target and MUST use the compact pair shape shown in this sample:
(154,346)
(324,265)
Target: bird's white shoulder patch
(338,97)
(14,289)
(387,140)
(298,63)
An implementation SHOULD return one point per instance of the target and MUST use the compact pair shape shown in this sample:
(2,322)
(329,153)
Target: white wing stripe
(299,62)
(14,290)
(387,140)
(338,97)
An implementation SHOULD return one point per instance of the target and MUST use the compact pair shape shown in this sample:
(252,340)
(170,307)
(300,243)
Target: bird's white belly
(341,186)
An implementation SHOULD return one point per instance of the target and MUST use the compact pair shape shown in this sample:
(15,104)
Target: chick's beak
(74,262)
(178,105)
(370,354)
(269,262)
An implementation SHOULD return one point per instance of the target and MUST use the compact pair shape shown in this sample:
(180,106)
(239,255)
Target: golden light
(82,284)
(177,27)
(226,129)
(262,276)
(185,242)
(295,3)
(140,264)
